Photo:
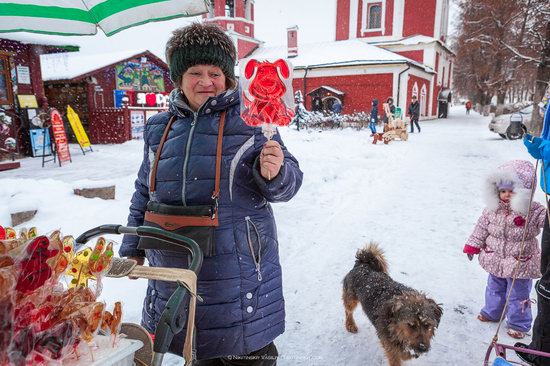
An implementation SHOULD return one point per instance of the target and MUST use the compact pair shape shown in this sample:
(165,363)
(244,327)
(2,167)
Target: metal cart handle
(172,318)
(176,240)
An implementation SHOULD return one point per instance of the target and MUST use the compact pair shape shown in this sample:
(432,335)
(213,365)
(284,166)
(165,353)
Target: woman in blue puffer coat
(243,308)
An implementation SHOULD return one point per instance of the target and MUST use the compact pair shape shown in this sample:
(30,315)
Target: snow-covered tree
(502,48)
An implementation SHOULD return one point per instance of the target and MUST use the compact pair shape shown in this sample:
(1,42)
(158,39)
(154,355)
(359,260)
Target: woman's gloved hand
(533,145)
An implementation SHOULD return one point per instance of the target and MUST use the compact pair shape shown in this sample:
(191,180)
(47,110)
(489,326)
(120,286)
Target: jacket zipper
(186,160)
(257,261)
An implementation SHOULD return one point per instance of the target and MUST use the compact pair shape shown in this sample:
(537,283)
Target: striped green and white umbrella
(82,17)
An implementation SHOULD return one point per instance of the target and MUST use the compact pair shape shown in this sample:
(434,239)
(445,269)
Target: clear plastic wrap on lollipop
(267,99)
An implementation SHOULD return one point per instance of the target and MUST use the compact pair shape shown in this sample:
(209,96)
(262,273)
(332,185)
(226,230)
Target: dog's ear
(393,308)
(438,311)
(283,68)
(250,68)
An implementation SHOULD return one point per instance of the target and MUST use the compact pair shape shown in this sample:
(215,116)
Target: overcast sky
(316,20)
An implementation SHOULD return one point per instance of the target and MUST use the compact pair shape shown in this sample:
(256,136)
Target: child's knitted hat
(505,185)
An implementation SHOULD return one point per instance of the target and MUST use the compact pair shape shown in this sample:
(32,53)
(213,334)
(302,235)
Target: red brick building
(382,48)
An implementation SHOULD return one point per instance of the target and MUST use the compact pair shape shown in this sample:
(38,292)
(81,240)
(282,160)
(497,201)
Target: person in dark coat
(317,105)
(241,283)
(414,113)
(336,107)
(373,116)
(389,101)
(539,148)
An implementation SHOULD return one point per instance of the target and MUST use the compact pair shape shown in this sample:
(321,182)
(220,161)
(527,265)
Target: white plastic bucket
(105,354)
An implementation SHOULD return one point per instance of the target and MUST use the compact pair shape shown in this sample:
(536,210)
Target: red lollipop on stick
(267,95)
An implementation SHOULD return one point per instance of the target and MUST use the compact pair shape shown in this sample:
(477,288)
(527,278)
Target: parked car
(512,126)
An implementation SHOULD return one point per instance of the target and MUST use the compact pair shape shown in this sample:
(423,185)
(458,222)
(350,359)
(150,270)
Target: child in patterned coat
(497,239)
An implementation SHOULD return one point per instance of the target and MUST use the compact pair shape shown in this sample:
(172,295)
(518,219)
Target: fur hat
(200,44)
(519,175)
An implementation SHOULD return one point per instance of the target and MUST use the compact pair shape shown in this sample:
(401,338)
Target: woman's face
(201,82)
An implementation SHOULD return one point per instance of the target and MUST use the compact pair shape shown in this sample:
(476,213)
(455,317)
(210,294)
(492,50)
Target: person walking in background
(468,107)
(414,113)
(391,107)
(316,105)
(336,107)
(507,245)
(373,116)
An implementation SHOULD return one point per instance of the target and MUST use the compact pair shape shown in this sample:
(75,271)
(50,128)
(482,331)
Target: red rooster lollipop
(263,102)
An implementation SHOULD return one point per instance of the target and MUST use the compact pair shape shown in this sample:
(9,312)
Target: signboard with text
(40,141)
(77,127)
(60,137)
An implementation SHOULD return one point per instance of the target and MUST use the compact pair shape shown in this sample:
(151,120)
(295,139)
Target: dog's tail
(373,257)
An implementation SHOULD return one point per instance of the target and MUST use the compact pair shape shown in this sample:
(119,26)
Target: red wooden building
(382,48)
(21,84)
(95,88)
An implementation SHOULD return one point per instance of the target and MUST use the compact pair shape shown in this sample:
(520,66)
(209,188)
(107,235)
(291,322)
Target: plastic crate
(105,354)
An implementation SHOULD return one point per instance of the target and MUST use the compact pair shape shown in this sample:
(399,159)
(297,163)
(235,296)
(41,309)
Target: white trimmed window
(375,16)
(229,8)
(372,17)
(415,90)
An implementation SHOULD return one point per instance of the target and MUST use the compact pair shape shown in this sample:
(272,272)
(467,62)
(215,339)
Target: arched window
(375,16)
(248,9)
(415,90)
(210,6)
(229,8)
(423,105)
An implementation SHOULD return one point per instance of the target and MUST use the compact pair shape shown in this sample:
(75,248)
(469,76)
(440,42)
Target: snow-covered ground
(419,199)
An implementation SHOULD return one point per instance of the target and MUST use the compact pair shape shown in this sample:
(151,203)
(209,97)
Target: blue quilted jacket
(243,308)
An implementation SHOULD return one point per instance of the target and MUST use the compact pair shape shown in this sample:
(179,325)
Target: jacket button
(249,309)
(208,111)
(214,102)
(249,295)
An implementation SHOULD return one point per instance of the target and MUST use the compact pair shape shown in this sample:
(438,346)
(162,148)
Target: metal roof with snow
(337,53)
(75,66)
(330,89)
(40,39)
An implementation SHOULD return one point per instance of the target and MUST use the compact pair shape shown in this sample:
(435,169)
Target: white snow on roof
(339,53)
(413,40)
(63,66)
(335,91)
(40,39)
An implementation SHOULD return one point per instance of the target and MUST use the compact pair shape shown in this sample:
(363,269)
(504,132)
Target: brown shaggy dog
(405,319)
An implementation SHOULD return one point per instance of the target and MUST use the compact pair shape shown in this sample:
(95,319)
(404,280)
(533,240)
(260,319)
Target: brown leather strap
(174,222)
(216,193)
(152,182)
